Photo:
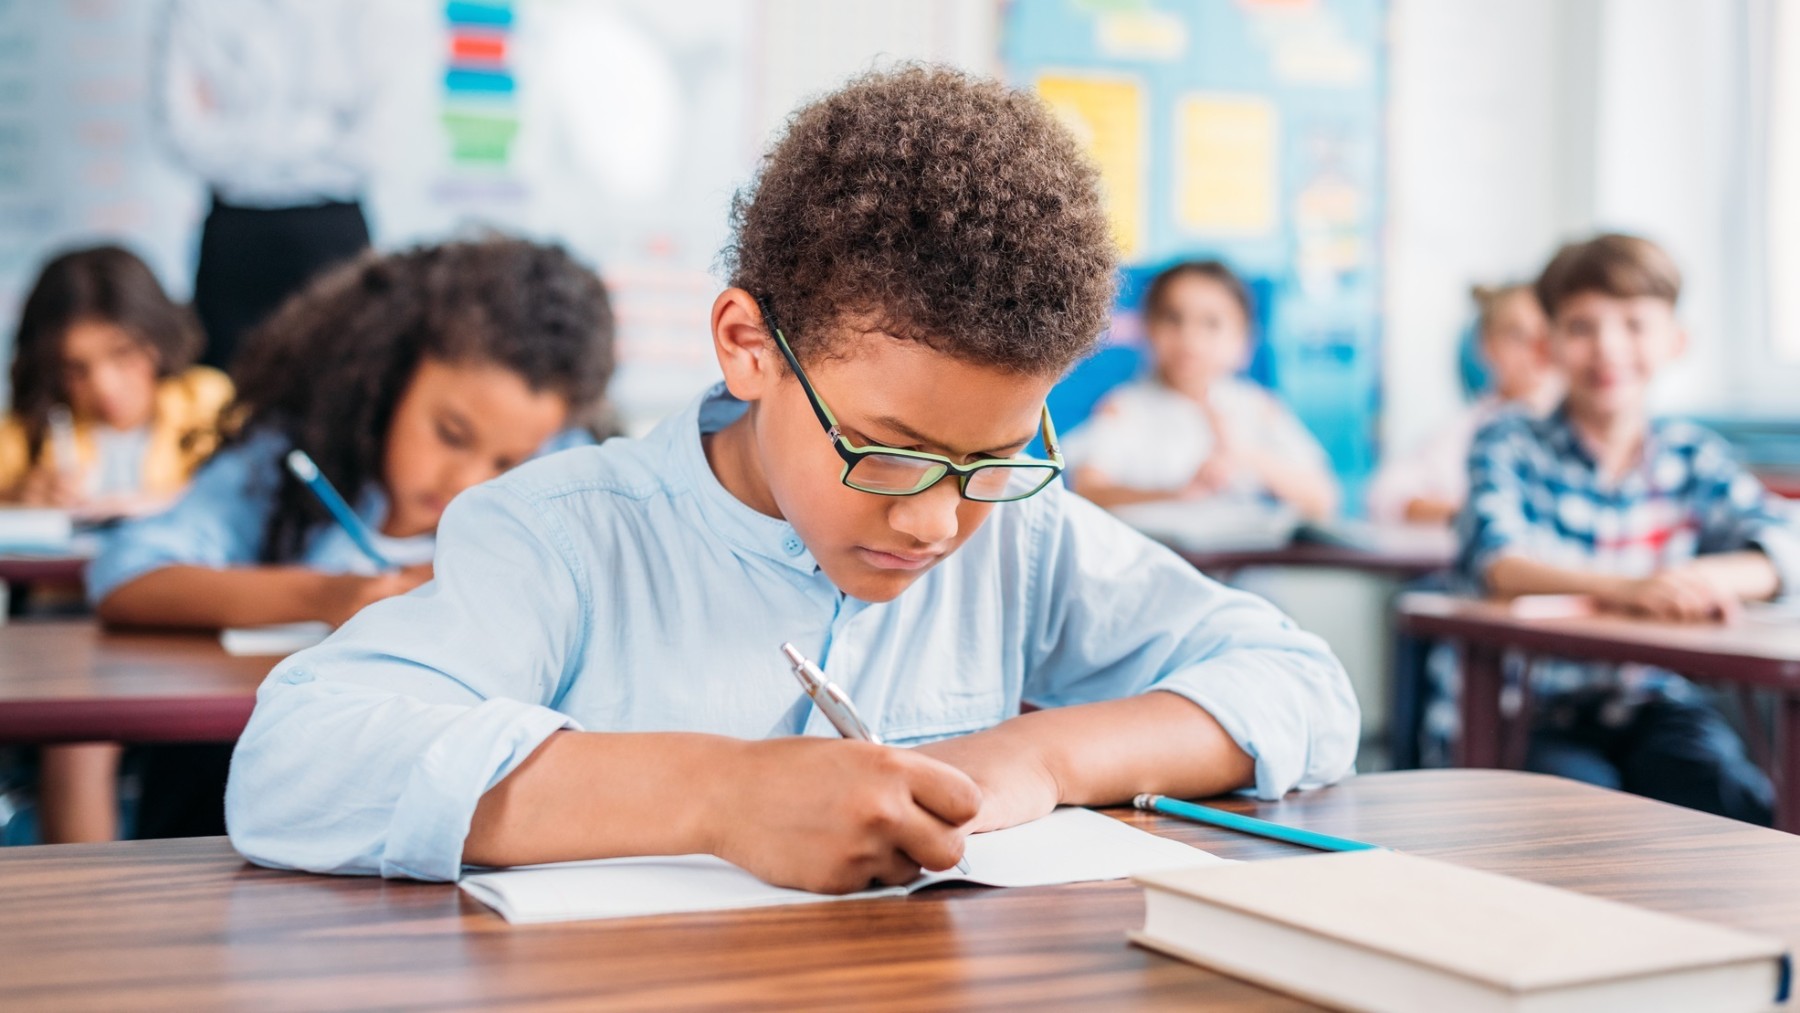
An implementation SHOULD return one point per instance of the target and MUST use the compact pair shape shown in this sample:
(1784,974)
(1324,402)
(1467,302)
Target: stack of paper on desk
(277,641)
(1067,846)
(1223,525)
(28,531)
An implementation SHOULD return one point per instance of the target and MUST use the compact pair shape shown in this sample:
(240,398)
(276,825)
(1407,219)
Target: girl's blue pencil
(1248,824)
(301,464)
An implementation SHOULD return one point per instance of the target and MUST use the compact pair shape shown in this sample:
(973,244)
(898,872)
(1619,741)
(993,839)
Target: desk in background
(1342,590)
(1750,655)
(176,924)
(74,682)
(24,570)
(1399,563)
(33,584)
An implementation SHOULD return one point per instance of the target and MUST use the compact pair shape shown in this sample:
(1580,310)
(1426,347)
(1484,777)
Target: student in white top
(1195,430)
(1428,485)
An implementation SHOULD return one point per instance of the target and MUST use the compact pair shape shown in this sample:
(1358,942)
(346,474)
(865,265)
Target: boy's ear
(746,355)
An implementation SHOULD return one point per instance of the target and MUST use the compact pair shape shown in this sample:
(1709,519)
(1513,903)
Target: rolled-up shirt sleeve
(368,753)
(1736,512)
(1117,614)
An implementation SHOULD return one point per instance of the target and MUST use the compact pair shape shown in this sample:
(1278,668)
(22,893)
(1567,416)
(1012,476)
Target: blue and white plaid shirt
(1535,491)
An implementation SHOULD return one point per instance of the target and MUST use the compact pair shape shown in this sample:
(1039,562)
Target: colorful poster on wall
(1264,148)
(1107,115)
(1226,175)
(480,113)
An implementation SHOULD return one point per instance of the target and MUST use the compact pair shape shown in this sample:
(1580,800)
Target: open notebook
(1067,846)
(277,641)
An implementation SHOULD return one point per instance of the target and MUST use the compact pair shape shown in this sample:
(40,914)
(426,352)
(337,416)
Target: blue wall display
(1247,130)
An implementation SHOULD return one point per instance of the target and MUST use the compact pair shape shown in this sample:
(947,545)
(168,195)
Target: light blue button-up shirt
(622,588)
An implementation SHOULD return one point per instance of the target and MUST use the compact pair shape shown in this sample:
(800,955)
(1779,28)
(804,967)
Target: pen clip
(831,701)
(840,710)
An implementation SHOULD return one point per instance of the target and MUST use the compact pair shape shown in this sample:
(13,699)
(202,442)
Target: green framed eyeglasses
(886,471)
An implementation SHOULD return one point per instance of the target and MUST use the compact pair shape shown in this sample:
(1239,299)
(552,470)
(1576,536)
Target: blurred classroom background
(1362,163)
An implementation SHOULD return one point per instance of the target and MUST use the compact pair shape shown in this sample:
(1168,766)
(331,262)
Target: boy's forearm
(1511,576)
(582,795)
(1429,510)
(1302,486)
(1105,753)
(1109,495)
(199,597)
(1749,574)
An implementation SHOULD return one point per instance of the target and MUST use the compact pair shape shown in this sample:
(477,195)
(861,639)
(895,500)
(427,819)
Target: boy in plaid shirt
(1649,517)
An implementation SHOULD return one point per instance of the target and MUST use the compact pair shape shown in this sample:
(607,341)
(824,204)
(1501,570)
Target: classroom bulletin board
(1251,131)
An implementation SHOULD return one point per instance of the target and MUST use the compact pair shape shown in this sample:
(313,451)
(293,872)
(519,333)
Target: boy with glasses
(596,670)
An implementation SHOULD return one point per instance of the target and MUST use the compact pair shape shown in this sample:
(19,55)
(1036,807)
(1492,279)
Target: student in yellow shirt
(109,417)
(109,414)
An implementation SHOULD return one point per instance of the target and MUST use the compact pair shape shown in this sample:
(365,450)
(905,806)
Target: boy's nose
(929,516)
(1615,342)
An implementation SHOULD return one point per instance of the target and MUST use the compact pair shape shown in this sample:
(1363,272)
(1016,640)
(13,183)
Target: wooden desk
(1757,655)
(73,682)
(1399,551)
(1402,565)
(42,569)
(179,924)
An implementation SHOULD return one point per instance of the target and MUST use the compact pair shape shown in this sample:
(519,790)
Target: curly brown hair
(107,283)
(936,207)
(327,369)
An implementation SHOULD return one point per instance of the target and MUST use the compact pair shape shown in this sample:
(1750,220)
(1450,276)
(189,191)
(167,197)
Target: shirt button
(792,545)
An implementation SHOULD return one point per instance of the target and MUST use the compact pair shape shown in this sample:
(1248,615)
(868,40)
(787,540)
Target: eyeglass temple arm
(1052,446)
(812,396)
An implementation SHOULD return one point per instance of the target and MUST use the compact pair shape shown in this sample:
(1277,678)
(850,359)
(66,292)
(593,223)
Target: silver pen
(835,704)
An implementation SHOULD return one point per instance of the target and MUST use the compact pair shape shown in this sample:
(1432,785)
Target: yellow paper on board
(1226,169)
(1107,115)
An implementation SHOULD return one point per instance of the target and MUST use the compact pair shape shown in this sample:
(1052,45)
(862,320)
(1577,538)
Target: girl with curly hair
(407,378)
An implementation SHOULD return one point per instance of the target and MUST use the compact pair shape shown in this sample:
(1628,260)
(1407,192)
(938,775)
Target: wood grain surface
(70,681)
(1749,655)
(187,924)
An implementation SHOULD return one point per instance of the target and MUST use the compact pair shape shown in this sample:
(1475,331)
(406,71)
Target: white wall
(1520,124)
(1479,188)
(1668,146)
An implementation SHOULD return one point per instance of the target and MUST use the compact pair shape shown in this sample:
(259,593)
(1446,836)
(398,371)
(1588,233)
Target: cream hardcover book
(1381,930)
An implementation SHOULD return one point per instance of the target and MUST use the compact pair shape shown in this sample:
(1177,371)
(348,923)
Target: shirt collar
(1559,433)
(725,515)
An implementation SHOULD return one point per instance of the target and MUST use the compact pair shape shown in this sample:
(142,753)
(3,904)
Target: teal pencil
(1248,824)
